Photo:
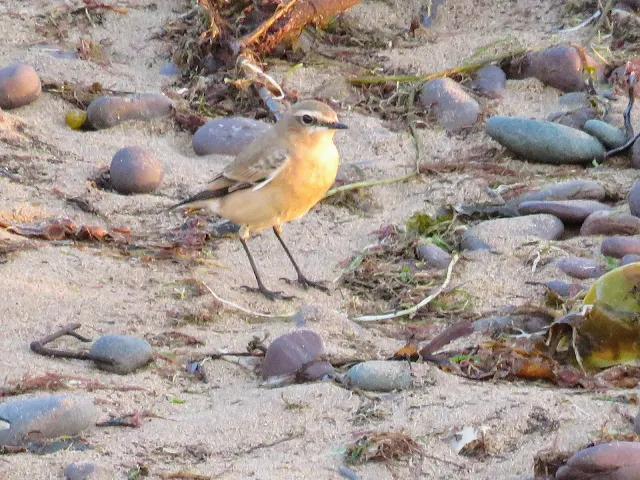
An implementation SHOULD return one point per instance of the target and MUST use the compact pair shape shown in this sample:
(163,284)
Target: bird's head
(312,117)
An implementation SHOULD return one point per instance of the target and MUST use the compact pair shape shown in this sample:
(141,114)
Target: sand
(230,428)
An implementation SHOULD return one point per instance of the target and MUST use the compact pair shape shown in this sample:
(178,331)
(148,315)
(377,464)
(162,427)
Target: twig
(38,346)
(373,183)
(603,17)
(581,25)
(288,437)
(258,32)
(246,310)
(415,308)
(470,67)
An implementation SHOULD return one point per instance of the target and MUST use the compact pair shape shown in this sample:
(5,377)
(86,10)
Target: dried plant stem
(416,307)
(262,29)
(603,18)
(246,310)
(371,183)
(470,67)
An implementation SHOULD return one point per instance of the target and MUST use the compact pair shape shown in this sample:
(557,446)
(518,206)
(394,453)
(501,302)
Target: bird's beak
(336,126)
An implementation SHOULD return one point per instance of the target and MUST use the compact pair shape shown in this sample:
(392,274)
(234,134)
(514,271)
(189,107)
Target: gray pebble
(489,81)
(126,353)
(573,100)
(635,154)
(79,471)
(19,85)
(569,190)
(618,247)
(508,233)
(432,256)
(610,136)
(544,141)
(610,223)
(581,268)
(634,199)
(379,376)
(569,211)
(23,419)
(288,353)
(574,118)
(630,258)
(454,108)
(227,136)
(135,170)
(107,112)
(564,289)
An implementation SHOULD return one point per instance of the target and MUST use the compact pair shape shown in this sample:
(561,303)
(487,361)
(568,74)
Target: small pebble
(379,376)
(618,247)
(489,81)
(610,223)
(560,67)
(135,170)
(227,135)
(19,85)
(574,100)
(581,268)
(634,199)
(432,256)
(107,112)
(635,154)
(23,419)
(80,471)
(630,258)
(610,136)
(569,211)
(126,353)
(543,141)
(564,289)
(606,461)
(288,353)
(569,190)
(508,233)
(574,119)
(453,107)
(636,424)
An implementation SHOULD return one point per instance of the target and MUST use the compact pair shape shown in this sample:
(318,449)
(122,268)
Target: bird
(276,179)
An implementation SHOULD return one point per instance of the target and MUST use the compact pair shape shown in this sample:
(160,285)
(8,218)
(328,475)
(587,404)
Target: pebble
(84,471)
(636,424)
(606,461)
(128,354)
(507,233)
(611,137)
(610,223)
(379,376)
(135,170)
(489,81)
(573,100)
(432,256)
(107,112)
(618,247)
(23,419)
(564,289)
(569,211)
(543,141)
(569,190)
(227,135)
(574,119)
(635,154)
(19,85)
(581,268)
(560,67)
(453,107)
(288,353)
(630,258)
(634,199)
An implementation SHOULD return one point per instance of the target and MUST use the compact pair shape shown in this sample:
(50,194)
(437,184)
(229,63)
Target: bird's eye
(308,120)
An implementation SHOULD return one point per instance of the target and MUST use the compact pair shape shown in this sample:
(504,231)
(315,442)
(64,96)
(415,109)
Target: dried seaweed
(382,446)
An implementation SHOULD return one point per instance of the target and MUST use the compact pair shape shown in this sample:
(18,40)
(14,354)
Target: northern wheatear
(278,178)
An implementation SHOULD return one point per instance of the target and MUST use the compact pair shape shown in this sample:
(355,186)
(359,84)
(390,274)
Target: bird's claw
(306,283)
(271,295)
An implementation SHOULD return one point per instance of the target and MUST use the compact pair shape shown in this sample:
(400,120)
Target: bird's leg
(302,280)
(261,288)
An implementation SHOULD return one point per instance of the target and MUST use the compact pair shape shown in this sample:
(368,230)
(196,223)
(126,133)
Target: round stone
(581,268)
(618,247)
(612,137)
(379,376)
(107,112)
(574,118)
(121,354)
(561,67)
(24,419)
(621,459)
(489,81)
(630,258)
(288,353)
(135,170)
(543,141)
(19,85)
(452,106)
(432,256)
(569,211)
(610,223)
(634,199)
(635,154)
(227,136)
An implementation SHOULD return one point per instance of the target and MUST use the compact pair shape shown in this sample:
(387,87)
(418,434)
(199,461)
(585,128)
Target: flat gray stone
(227,135)
(453,107)
(432,256)
(379,376)
(508,233)
(581,268)
(574,118)
(610,223)
(543,141)
(288,353)
(630,258)
(569,211)
(618,247)
(569,190)
(634,199)
(489,81)
(24,419)
(107,112)
(611,137)
(127,354)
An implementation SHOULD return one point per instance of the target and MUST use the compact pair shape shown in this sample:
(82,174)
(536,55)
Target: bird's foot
(305,283)
(271,295)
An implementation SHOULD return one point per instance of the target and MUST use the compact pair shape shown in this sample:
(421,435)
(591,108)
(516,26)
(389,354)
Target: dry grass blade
(382,446)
